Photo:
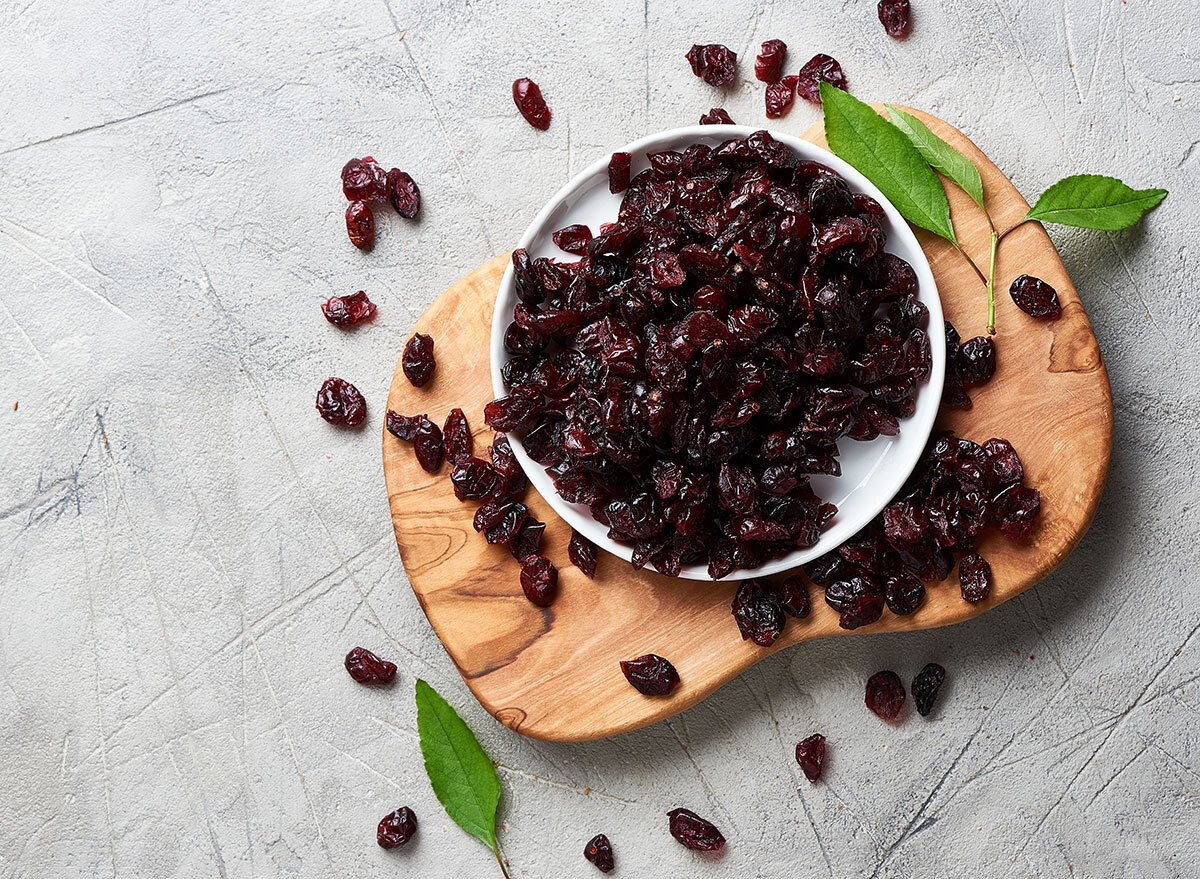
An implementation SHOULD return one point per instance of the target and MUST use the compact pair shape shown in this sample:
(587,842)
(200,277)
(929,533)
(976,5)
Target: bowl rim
(890,479)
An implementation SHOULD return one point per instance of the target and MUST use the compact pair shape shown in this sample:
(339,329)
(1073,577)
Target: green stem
(1014,227)
(500,861)
(991,286)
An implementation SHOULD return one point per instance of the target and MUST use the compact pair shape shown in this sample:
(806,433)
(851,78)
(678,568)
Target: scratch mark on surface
(583,792)
(91,291)
(24,335)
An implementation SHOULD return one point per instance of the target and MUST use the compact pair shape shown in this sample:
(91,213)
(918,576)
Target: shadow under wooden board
(553,673)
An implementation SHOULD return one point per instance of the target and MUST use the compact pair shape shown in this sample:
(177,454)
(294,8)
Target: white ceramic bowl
(872,472)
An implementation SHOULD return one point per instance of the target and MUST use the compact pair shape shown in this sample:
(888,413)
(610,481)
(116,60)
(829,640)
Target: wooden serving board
(553,673)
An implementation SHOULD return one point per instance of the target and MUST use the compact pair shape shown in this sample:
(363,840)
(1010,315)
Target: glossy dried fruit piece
(418,361)
(582,553)
(1016,511)
(396,828)
(528,98)
(367,668)
(428,446)
(820,68)
(975,577)
(810,754)
(650,675)
(1035,297)
(364,180)
(792,594)
(757,612)
(693,832)
(925,687)
(768,66)
(346,311)
(713,63)
(716,116)
(618,172)
(780,96)
(539,580)
(360,225)
(573,238)
(885,694)
(599,851)
(456,436)
(403,193)
(340,403)
(895,16)
(403,427)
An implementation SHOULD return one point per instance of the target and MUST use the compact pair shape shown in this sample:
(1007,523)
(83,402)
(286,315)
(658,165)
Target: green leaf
(877,148)
(462,776)
(1091,201)
(954,165)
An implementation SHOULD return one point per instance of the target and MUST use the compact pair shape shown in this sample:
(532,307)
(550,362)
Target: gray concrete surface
(187,550)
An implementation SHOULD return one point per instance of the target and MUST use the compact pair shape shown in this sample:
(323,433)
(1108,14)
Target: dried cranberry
(758,613)
(904,593)
(780,96)
(768,66)
(339,402)
(977,361)
(396,828)
(793,596)
(539,580)
(975,576)
(456,436)
(404,427)
(692,831)
(528,540)
(650,675)
(858,600)
(403,193)
(810,754)
(894,16)
(528,98)
(925,687)
(714,63)
(428,446)
(360,225)
(885,694)
(1016,511)
(573,239)
(1035,297)
(346,311)
(599,851)
(716,116)
(582,553)
(418,361)
(618,172)
(363,180)
(819,69)
(367,668)
(1004,464)
(472,479)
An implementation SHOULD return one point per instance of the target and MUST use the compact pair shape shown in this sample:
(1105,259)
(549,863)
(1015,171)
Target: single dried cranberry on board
(1016,510)
(573,238)
(757,613)
(539,580)
(925,687)
(367,668)
(713,63)
(340,403)
(780,96)
(618,172)
(363,180)
(768,66)
(418,360)
(360,225)
(396,828)
(428,446)
(650,675)
(894,16)
(1035,297)
(403,427)
(599,851)
(403,193)
(977,361)
(582,553)
(793,596)
(885,694)
(810,754)
(716,116)
(975,577)
(692,831)
(528,98)
(819,69)
(456,437)
(346,311)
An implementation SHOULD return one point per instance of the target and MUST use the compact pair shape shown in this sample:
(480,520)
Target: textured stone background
(188,550)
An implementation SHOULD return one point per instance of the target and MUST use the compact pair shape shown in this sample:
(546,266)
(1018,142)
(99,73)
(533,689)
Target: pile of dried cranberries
(688,375)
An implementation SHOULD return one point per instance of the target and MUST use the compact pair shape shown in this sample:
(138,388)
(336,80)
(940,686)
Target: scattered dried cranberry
(793,596)
(403,193)
(360,225)
(975,576)
(768,66)
(428,446)
(758,613)
(573,239)
(418,360)
(904,593)
(894,16)
(339,402)
(528,98)
(1016,510)
(396,828)
(650,675)
(599,851)
(925,687)
(692,831)
(618,172)
(346,311)
(716,116)
(582,553)
(780,96)
(977,361)
(539,580)
(456,436)
(714,63)
(528,540)
(885,694)
(367,668)
(858,600)
(819,69)
(810,754)
(363,180)
(1035,297)
(404,427)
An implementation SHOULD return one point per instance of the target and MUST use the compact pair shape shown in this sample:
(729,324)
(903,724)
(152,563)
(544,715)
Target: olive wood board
(552,673)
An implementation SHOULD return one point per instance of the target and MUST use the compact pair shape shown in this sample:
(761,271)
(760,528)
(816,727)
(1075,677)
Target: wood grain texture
(553,673)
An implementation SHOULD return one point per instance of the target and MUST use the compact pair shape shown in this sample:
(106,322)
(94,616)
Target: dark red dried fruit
(977,361)
(780,96)
(456,436)
(346,311)
(582,553)
(716,116)
(528,98)
(1035,297)
(904,593)
(1016,511)
(367,668)
(403,193)
(810,754)
(793,596)
(925,687)
(428,446)
(975,576)
(618,172)
(339,402)
(473,479)
(539,580)
(396,828)
(573,239)
(528,540)
(858,599)
(692,831)
(363,180)
(360,225)
(894,16)
(403,427)
(757,612)
(599,851)
(650,675)
(768,66)
(885,694)
(819,69)
(418,360)
(714,63)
